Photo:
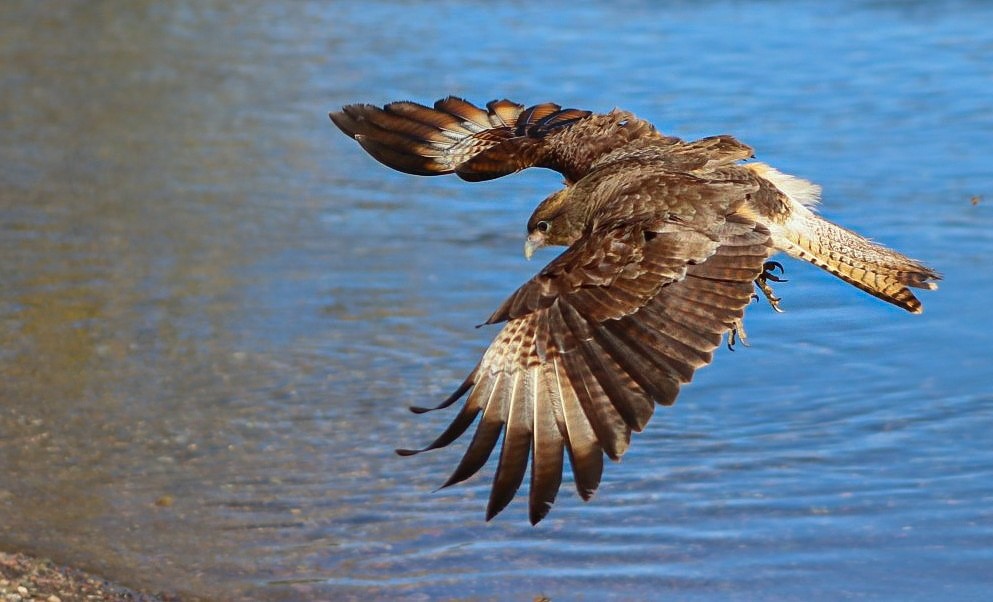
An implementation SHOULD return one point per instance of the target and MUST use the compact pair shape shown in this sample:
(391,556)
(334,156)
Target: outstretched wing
(458,137)
(611,327)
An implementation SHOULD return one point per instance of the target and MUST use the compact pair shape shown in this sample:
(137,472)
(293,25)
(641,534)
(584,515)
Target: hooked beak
(536,240)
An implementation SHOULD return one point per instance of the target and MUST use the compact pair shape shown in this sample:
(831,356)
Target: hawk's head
(554,222)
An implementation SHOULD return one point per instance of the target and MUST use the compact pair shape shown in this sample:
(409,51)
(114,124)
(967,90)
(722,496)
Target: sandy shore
(23,578)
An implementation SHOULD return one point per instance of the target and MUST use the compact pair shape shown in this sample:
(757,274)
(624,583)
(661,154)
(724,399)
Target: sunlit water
(214,309)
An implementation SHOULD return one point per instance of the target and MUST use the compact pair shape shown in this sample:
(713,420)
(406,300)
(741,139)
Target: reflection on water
(214,308)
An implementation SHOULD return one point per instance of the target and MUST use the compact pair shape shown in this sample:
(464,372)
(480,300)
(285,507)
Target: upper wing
(458,137)
(611,327)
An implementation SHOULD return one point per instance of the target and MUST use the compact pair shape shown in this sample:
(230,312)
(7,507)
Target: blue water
(214,308)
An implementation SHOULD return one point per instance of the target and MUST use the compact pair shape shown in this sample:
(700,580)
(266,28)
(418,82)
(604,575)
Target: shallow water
(214,309)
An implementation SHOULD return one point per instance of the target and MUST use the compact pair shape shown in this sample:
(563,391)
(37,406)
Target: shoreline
(24,577)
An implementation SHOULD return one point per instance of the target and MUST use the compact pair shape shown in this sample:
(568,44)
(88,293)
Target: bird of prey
(665,242)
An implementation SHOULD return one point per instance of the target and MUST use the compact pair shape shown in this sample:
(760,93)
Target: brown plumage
(665,240)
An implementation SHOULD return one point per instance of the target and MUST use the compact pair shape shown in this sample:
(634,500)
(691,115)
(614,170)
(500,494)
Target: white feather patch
(801,222)
(797,189)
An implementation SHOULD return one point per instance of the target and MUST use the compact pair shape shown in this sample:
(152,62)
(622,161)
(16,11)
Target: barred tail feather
(877,270)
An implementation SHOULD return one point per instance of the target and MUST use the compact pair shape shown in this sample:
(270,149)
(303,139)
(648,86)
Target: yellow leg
(737,333)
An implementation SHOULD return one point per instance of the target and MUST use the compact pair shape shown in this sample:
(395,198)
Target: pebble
(37,580)
(21,593)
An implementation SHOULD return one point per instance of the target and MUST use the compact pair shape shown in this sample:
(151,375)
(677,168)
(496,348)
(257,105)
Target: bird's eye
(543,226)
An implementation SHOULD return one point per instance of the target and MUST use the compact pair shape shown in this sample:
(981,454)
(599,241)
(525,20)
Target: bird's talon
(768,271)
(762,282)
(737,333)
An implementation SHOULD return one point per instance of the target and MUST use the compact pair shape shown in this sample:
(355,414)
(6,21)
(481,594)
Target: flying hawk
(665,240)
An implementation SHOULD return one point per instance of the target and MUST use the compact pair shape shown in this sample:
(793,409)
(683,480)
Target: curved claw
(771,266)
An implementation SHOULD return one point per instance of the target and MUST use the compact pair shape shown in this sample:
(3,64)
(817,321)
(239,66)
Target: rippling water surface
(214,309)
